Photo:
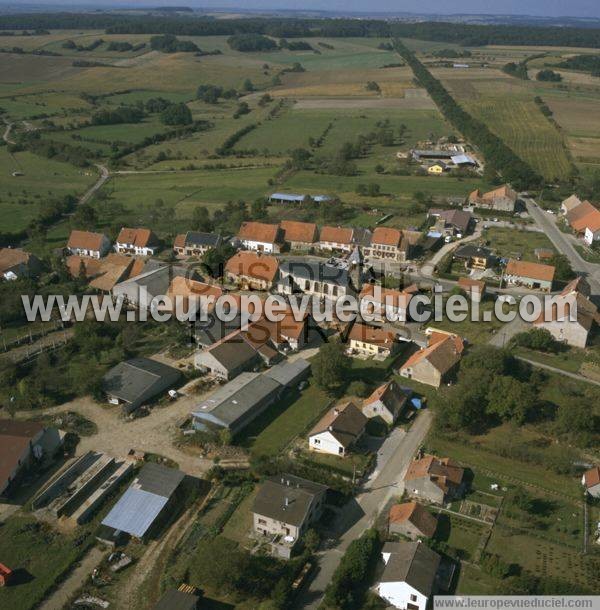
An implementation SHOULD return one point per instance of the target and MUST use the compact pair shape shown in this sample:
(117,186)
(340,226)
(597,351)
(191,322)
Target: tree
(330,367)
(511,400)
(563,270)
(201,219)
(214,259)
(373,86)
(258,209)
(549,76)
(176,114)
(539,339)
(358,388)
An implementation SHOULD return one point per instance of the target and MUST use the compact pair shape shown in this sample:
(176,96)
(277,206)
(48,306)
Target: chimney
(287,501)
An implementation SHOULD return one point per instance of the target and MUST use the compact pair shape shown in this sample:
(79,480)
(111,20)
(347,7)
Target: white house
(338,430)
(141,242)
(409,576)
(85,243)
(261,237)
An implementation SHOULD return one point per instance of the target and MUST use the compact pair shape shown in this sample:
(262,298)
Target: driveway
(360,513)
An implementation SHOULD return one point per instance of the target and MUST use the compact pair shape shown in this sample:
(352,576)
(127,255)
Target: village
(262,413)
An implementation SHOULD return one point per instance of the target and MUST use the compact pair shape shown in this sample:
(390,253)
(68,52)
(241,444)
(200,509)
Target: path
(74,581)
(6,134)
(428,267)
(104,176)
(360,514)
(558,371)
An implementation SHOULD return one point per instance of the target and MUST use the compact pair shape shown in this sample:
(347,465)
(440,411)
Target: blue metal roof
(298,198)
(135,512)
(458,159)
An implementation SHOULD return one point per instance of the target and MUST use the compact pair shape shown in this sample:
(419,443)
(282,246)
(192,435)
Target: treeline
(585,63)
(497,154)
(518,70)
(458,33)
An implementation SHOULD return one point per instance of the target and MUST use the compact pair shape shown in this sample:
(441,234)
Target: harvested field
(416,102)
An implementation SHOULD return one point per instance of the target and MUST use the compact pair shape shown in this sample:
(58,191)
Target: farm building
(410,574)
(140,242)
(531,275)
(502,199)
(569,203)
(140,510)
(234,405)
(229,357)
(434,479)
(300,235)
(289,373)
(137,381)
(386,402)
(252,270)
(16,263)
(195,243)
(427,155)
(284,508)
(432,364)
(584,219)
(261,237)
(296,198)
(464,161)
(22,444)
(411,519)
(85,243)
(338,430)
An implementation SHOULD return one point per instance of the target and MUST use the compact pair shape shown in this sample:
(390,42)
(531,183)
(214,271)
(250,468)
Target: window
(413,598)
(317,441)
(262,521)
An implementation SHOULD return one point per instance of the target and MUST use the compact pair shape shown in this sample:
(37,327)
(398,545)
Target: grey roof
(288,372)
(411,562)
(460,159)
(440,154)
(233,352)
(298,198)
(213,329)
(300,493)
(197,238)
(312,270)
(177,600)
(138,379)
(470,250)
(235,399)
(142,503)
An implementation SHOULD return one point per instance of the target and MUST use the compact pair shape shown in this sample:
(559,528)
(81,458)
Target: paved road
(359,514)
(553,369)
(563,244)
(429,266)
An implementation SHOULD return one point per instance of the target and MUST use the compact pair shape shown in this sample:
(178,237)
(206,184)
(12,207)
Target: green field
(510,242)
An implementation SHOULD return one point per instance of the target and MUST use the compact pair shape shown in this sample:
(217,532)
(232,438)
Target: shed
(5,575)
(289,373)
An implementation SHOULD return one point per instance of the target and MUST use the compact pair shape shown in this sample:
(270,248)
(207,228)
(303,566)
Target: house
(338,430)
(22,444)
(233,406)
(372,341)
(314,278)
(475,289)
(105,273)
(141,242)
(437,169)
(296,198)
(137,381)
(502,199)
(261,237)
(386,402)
(141,290)
(284,509)
(85,243)
(432,365)
(189,295)
(385,303)
(452,222)
(16,263)
(285,334)
(591,481)
(434,479)
(391,244)
(475,257)
(195,243)
(570,317)
(585,221)
(411,519)
(569,203)
(228,357)
(175,599)
(300,235)
(6,575)
(531,275)
(149,501)
(337,238)
(409,577)
(252,270)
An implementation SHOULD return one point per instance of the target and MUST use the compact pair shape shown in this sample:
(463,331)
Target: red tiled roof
(470,285)
(386,236)
(416,514)
(337,235)
(305,232)
(253,265)
(443,352)
(136,237)
(396,298)
(592,477)
(260,232)
(10,257)
(85,240)
(534,271)
(179,241)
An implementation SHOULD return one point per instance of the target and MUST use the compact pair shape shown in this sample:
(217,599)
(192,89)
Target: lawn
(240,522)
(39,556)
(460,534)
(569,360)
(512,242)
